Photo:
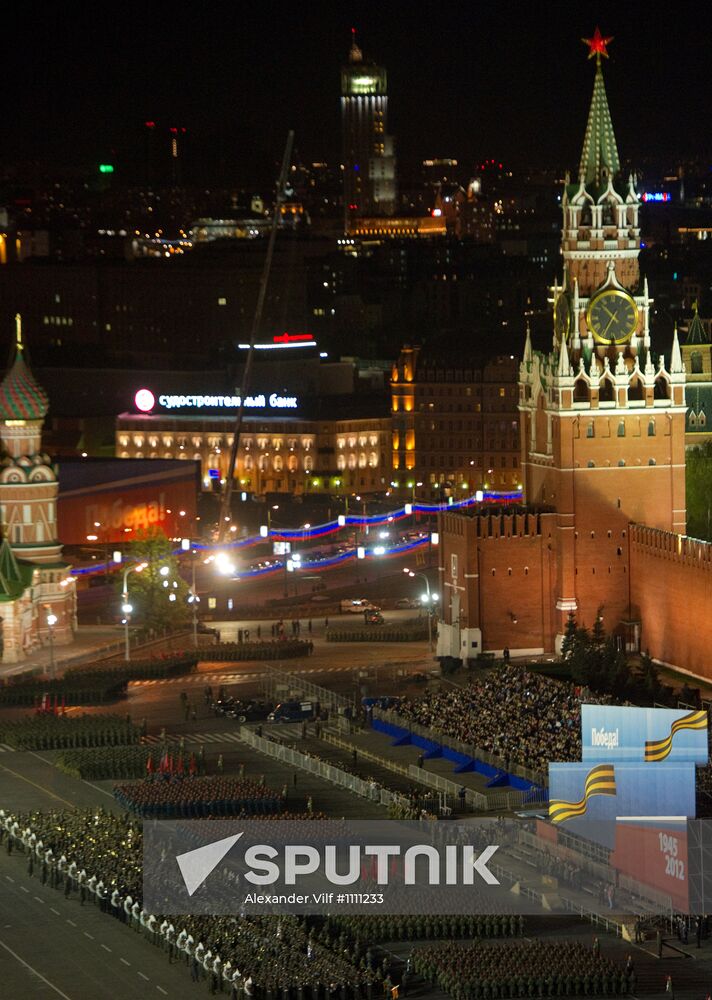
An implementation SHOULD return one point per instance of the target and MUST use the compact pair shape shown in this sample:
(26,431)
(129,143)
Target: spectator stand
(526,787)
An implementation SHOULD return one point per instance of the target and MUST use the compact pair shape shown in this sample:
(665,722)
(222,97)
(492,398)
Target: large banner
(588,799)
(647,735)
(655,853)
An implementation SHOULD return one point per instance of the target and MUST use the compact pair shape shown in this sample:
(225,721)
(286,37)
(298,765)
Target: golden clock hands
(608,325)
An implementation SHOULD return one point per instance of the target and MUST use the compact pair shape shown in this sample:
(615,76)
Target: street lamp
(428,598)
(51,622)
(193,598)
(128,608)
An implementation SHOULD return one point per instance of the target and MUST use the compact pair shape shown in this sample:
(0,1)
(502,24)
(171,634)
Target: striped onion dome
(21,395)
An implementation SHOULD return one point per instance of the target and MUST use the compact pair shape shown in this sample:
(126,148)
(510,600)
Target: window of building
(590,430)
(696,363)
(222,301)
(651,428)
(621,429)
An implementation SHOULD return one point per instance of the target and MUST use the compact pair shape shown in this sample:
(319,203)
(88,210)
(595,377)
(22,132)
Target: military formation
(522,969)
(167,796)
(49,731)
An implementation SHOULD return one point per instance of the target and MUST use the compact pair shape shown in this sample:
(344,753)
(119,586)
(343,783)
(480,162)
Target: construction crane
(225,514)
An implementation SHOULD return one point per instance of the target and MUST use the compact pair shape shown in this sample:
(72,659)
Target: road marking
(55,911)
(50,764)
(35,971)
(162,991)
(9,879)
(90,936)
(25,890)
(124,961)
(106,949)
(71,922)
(6,748)
(59,798)
(38,899)
(144,977)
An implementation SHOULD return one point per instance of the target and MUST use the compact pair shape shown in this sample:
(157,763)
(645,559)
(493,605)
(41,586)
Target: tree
(567,643)
(151,590)
(698,486)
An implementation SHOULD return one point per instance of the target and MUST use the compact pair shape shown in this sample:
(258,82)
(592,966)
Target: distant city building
(455,424)
(369,162)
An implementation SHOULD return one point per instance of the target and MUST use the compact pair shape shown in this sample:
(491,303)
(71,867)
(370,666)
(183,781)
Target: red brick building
(602,424)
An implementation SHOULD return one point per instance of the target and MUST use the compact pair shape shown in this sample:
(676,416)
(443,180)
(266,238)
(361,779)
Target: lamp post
(430,598)
(51,622)
(186,546)
(128,608)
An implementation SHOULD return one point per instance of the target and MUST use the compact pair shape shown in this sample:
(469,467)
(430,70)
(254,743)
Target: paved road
(51,947)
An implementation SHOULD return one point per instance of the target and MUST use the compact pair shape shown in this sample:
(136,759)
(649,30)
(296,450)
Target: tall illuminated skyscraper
(368,153)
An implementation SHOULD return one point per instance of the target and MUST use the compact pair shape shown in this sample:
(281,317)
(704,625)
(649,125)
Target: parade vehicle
(249,711)
(294,711)
(373,617)
(357,605)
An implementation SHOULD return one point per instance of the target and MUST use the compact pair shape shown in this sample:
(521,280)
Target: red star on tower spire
(597,45)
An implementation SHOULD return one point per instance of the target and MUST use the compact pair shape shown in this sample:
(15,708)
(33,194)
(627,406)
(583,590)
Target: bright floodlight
(117,557)
(425,598)
(224,564)
(127,608)
(379,550)
(264,531)
(51,620)
(164,570)
(185,544)
(409,508)
(341,520)
(360,552)
(171,597)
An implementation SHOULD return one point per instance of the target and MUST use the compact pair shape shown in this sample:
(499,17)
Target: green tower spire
(599,159)
(696,331)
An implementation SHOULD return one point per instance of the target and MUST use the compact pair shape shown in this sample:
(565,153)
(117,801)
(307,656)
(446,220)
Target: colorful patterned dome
(21,396)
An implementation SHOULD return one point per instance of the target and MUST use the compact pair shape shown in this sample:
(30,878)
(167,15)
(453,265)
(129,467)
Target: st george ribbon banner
(611,733)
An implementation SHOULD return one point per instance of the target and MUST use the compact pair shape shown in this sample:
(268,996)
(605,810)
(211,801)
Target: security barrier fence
(277,685)
(287,755)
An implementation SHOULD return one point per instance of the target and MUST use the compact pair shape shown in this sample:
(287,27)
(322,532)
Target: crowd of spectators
(523,718)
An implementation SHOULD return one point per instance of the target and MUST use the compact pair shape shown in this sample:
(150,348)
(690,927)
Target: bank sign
(613,733)
(150,401)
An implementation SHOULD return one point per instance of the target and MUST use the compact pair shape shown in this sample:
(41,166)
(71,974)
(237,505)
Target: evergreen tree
(567,644)
(150,590)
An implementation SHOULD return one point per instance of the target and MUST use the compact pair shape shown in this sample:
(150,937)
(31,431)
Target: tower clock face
(562,316)
(612,316)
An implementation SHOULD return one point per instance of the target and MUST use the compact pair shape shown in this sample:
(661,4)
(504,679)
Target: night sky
(469,80)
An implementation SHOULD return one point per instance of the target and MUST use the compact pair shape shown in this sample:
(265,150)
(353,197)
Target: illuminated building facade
(602,424)
(455,425)
(36,592)
(275,456)
(697,357)
(368,151)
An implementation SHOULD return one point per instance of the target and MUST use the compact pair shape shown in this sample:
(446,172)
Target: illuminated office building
(368,153)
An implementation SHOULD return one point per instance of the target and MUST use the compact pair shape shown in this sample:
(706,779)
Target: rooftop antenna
(256,321)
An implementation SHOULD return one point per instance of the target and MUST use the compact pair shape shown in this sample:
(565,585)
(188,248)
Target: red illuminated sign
(290,338)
